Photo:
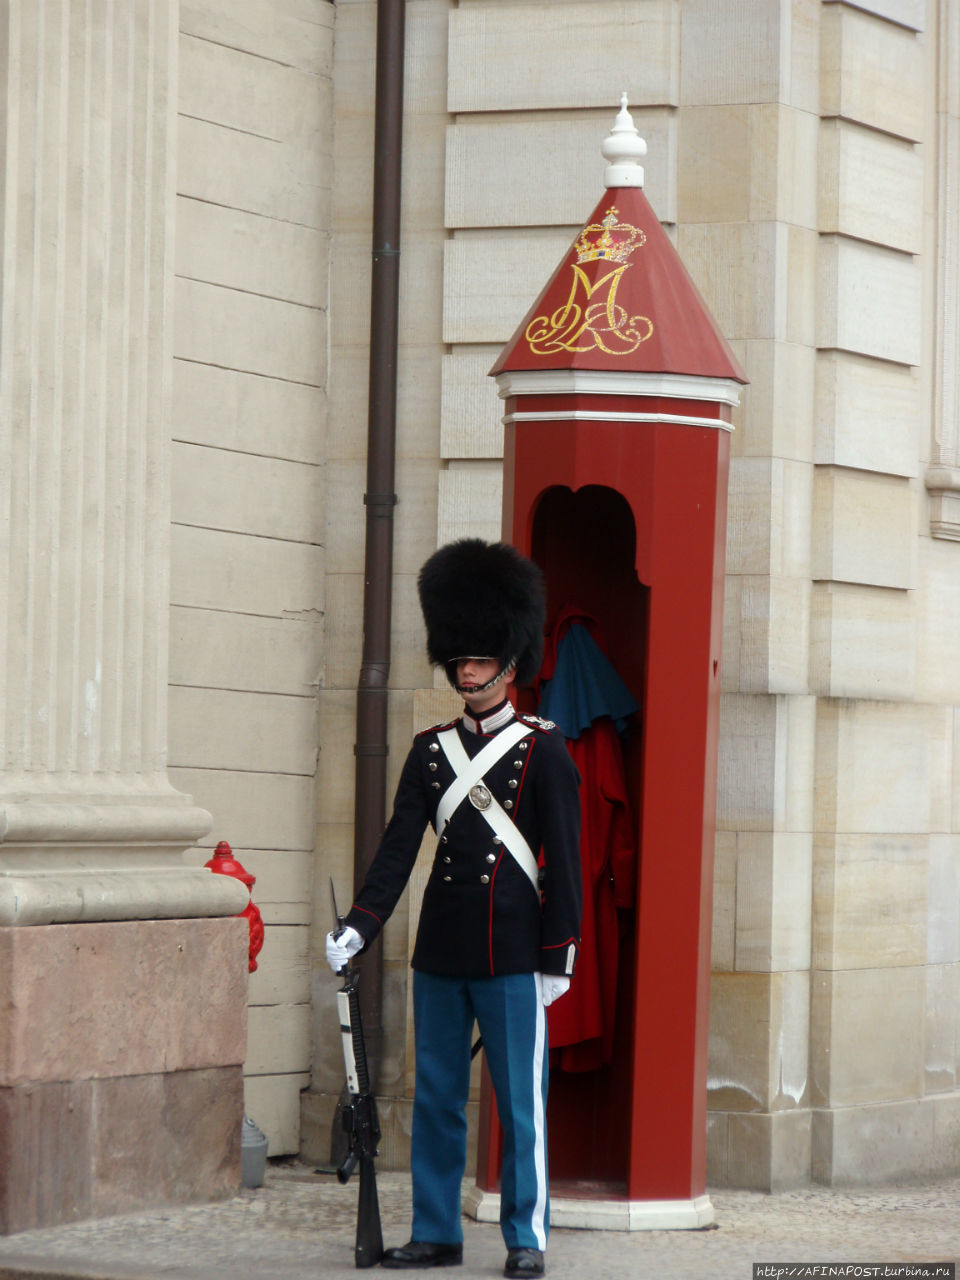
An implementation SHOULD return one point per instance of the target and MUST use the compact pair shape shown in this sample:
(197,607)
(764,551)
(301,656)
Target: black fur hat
(483,600)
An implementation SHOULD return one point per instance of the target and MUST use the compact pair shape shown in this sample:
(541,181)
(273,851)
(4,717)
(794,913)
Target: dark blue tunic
(481,914)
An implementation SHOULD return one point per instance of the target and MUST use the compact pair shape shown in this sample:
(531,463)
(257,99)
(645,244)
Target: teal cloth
(584,686)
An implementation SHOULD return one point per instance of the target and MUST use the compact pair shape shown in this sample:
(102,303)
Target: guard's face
(473,674)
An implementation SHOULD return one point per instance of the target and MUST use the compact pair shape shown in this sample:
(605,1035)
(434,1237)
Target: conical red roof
(621,300)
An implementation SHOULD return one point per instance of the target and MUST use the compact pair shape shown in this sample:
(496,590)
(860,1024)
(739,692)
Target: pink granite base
(121,1082)
(92,1148)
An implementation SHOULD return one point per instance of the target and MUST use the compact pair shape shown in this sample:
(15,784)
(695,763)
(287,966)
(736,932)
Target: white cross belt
(468,774)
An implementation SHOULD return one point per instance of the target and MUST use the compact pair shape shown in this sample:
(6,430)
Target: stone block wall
(836,906)
(249,420)
(802,157)
(418,396)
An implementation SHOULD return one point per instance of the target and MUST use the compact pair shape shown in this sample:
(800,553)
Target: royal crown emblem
(591,318)
(609,239)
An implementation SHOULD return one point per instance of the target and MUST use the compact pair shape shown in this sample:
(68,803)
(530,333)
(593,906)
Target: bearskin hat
(483,600)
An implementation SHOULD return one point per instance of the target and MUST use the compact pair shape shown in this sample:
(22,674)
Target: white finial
(623,148)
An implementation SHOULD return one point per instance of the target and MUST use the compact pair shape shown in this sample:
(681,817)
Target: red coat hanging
(581,692)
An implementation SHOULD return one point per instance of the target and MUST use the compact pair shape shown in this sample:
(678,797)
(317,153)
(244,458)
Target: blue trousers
(509,1012)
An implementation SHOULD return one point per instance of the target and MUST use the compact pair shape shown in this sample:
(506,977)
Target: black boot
(422,1253)
(524,1262)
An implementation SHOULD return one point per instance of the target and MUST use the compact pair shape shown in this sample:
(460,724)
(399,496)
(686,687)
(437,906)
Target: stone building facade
(804,157)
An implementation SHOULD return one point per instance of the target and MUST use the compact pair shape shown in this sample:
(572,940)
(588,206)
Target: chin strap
(482,688)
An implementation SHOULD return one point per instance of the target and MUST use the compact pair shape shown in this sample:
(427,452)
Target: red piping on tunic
(490,928)
(368,913)
(500,859)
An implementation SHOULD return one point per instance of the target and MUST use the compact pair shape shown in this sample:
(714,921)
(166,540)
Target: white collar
(491,721)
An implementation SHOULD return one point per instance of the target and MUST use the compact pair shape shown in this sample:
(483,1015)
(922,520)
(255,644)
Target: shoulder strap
(469,773)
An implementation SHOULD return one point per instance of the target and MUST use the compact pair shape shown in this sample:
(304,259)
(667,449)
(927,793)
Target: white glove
(341,946)
(553,986)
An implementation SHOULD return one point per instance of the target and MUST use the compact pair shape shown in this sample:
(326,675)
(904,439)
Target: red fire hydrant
(225,864)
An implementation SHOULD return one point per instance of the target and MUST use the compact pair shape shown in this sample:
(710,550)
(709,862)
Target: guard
(499,928)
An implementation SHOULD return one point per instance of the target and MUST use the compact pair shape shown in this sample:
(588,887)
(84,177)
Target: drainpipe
(373,686)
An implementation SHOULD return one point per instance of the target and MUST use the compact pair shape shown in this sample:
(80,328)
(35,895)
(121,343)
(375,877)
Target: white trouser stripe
(539,1119)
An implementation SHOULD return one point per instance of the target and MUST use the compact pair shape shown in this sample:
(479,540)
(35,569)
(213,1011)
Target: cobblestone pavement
(300,1226)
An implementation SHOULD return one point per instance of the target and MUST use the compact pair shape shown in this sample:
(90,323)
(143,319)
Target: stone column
(90,828)
(123,1032)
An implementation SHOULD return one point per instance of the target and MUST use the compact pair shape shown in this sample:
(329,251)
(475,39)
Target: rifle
(359,1116)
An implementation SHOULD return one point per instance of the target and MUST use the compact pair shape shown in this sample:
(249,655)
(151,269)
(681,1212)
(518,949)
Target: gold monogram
(591,318)
(584,325)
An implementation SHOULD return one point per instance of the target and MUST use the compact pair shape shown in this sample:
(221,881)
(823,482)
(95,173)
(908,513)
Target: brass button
(435,785)
(508,804)
(447,858)
(513,784)
(432,766)
(523,746)
(434,746)
(449,879)
(497,840)
(491,857)
(518,764)
(443,840)
(484,879)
